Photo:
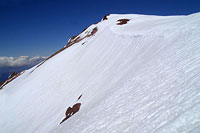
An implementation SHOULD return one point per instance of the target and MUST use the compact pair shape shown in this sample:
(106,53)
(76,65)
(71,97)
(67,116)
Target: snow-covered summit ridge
(141,76)
(143,24)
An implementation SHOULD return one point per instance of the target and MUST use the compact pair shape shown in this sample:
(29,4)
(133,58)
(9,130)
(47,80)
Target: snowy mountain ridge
(130,73)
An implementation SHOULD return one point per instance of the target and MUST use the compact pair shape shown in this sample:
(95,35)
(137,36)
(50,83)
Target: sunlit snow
(140,77)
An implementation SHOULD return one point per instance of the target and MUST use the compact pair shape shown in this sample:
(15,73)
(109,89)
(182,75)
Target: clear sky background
(41,27)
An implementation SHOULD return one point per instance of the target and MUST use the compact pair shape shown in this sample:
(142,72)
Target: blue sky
(41,27)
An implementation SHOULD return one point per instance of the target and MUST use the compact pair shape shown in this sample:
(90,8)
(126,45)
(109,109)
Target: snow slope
(138,77)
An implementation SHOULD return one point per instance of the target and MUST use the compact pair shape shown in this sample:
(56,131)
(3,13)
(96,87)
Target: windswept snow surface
(139,77)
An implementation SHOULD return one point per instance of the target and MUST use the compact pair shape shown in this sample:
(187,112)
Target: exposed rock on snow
(71,111)
(79,97)
(106,17)
(122,21)
(10,78)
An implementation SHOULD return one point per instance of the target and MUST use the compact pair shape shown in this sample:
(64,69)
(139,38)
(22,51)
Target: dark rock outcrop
(79,97)
(71,111)
(10,78)
(122,21)
(106,17)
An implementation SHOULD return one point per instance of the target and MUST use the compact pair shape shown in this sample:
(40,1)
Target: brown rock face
(79,97)
(1,83)
(106,17)
(71,111)
(122,21)
(10,78)
(12,75)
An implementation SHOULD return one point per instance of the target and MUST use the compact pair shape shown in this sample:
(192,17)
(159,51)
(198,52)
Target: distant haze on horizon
(41,27)
(8,65)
